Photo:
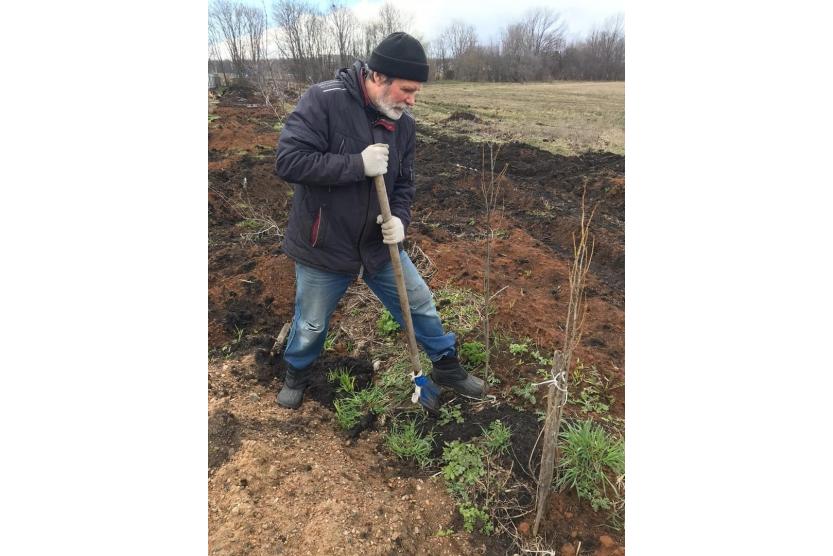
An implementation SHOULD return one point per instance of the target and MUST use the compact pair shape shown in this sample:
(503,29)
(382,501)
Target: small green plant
(229,348)
(496,437)
(345,382)
(589,456)
(595,389)
(330,341)
(579,371)
(473,353)
(525,391)
(463,467)
(540,359)
(473,479)
(518,349)
(449,413)
(472,515)
(351,409)
(406,442)
(386,324)
(589,401)
(444,532)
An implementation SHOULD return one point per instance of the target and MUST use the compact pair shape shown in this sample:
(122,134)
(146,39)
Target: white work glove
(375,159)
(392,231)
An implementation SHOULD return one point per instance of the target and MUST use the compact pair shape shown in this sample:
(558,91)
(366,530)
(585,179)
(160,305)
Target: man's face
(397,96)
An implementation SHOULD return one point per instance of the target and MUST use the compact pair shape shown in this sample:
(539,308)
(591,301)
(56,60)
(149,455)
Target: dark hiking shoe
(292,393)
(450,374)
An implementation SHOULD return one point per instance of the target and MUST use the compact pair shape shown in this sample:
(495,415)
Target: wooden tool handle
(381,192)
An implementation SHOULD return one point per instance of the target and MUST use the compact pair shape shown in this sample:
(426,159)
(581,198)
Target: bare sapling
(557,391)
(490,184)
(269,87)
(266,79)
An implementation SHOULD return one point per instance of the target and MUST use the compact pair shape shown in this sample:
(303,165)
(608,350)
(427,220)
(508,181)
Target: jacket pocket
(318,228)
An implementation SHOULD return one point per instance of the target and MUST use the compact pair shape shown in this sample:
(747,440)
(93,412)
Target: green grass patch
(350,409)
(345,382)
(496,437)
(250,224)
(589,456)
(407,443)
(396,381)
(459,308)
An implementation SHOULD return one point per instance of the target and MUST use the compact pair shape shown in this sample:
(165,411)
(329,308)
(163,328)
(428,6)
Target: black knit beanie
(400,55)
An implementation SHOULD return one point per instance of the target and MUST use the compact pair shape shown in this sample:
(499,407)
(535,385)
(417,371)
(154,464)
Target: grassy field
(561,117)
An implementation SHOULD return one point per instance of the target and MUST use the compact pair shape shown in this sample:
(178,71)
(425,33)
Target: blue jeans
(318,292)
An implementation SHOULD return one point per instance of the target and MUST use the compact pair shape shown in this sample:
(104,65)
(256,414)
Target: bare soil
(284,482)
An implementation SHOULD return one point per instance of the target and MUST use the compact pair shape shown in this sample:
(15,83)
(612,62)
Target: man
(341,134)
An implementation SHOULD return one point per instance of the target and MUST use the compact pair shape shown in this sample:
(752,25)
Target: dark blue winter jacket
(332,225)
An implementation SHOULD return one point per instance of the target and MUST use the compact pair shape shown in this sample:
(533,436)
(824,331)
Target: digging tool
(426,393)
(276,347)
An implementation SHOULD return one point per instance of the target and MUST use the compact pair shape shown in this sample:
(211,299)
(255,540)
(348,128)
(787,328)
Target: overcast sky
(488,17)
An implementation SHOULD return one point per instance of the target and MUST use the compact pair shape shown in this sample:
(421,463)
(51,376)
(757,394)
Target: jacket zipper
(372,189)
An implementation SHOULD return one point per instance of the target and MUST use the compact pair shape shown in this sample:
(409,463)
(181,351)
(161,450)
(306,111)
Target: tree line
(308,45)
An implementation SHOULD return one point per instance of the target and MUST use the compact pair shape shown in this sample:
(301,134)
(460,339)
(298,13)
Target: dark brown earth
(283,482)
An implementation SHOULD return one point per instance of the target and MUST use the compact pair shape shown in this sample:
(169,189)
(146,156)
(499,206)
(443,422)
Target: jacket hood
(351,78)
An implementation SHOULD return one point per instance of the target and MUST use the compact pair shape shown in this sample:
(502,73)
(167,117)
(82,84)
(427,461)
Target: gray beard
(390,111)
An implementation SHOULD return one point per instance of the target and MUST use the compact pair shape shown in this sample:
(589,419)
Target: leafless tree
(606,49)
(533,48)
(372,34)
(393,20)
(544,31)
(490,186)
(289,16)
(228,19)
(214,53)
(439,53)
(344,25)
(515,52)
(557,390)
(315,46)
(254,34)
(458,39)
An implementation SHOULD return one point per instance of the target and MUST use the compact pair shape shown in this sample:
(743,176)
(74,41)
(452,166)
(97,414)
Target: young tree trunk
(556,397)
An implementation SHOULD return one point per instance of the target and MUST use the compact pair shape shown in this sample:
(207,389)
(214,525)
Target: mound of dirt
(462,116)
